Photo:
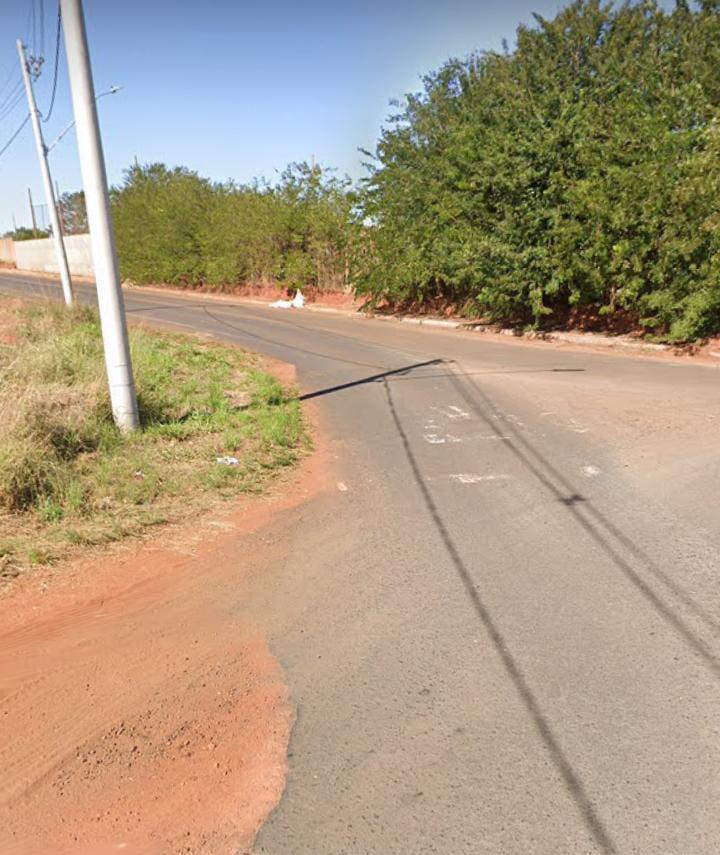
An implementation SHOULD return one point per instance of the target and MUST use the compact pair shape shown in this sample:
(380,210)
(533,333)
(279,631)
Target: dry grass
(67,476)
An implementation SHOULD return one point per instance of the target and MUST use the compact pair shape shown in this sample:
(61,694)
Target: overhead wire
(55,69)
(13,72)
(12,94)
(14,136)
(34,26)
(42,27)
(11,105)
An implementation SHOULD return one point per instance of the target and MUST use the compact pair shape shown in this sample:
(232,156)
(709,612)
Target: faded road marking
(436,439)
(469,478)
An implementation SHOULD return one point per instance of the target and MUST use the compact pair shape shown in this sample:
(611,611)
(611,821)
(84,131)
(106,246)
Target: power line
(5,112)
(12,73)
(55,71)
(12,94)
(34,27)
(42,27)
(14,136)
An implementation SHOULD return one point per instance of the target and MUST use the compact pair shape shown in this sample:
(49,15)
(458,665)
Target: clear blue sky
(240,89)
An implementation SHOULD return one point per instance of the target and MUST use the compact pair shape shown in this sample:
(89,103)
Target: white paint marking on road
(491,436)
(590,471)
(436,439)
(453,412)
(458,413)
(469,478)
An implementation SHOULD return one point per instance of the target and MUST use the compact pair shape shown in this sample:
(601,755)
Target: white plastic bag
(297,302)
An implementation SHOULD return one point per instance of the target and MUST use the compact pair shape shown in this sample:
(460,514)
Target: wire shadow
(571,780)
(581,508)
(394,372)
(403,374)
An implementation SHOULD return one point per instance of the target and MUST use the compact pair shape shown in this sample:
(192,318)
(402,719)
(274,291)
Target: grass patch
(68,477)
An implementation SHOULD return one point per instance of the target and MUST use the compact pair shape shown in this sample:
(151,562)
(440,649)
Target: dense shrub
(578,172)
(173,226)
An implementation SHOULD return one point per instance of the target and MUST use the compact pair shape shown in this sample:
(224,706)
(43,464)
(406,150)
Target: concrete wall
(7,250)
(40,255)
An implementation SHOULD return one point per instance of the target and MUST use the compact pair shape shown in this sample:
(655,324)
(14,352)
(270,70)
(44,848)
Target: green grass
(68,478)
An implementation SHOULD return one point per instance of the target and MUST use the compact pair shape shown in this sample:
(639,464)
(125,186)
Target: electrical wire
(55,70)
(14,136)
(42,27)
(5,112)
(34,27)
(12,94)
(13,70)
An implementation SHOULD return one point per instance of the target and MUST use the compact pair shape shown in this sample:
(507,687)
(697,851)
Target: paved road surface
(502,629)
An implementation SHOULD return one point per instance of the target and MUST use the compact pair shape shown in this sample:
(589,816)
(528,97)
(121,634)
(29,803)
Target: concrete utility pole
(61,213)
(97,201)
(32,210)
(47,181)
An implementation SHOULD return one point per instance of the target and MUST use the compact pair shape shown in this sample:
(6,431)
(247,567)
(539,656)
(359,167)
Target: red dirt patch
(139,708)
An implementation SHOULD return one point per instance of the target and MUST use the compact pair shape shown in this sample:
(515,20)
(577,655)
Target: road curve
(502,628)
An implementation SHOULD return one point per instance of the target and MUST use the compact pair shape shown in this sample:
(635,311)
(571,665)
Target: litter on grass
(297,302)
(228,461)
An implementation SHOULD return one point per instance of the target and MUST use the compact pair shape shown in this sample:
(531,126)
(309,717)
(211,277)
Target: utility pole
(47,181)
(102,241)
(32,211)
(60,211)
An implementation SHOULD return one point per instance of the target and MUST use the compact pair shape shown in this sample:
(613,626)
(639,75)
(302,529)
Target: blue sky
(239,89)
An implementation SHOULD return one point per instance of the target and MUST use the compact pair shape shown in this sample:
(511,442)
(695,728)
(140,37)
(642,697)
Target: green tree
(558,178)
(158,214)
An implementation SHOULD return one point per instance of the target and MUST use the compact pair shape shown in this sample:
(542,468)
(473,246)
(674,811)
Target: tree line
(572,179)
(173,226)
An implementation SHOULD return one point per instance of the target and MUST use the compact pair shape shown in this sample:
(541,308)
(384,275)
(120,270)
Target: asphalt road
(501,627)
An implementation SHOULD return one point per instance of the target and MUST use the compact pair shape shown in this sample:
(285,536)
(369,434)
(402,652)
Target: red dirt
(264,291)
(139,708)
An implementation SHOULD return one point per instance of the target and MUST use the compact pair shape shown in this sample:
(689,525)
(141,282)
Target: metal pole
(47,181)
(32,211)
(92,166)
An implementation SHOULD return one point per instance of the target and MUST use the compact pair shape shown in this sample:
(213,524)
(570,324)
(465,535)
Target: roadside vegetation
(68,477)
(570,180)
(172,226)
(576,174)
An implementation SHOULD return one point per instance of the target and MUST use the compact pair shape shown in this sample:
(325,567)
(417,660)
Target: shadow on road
(404,373)
(572,782)
(592,521)
(371,379)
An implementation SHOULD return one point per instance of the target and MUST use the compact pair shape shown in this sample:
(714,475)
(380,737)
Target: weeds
(69,478)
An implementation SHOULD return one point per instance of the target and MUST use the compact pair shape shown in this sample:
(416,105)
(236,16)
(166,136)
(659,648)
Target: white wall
(7,250)
(40,255)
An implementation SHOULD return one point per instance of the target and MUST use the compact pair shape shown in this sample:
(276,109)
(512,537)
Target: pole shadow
(571,780)
(593,521)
